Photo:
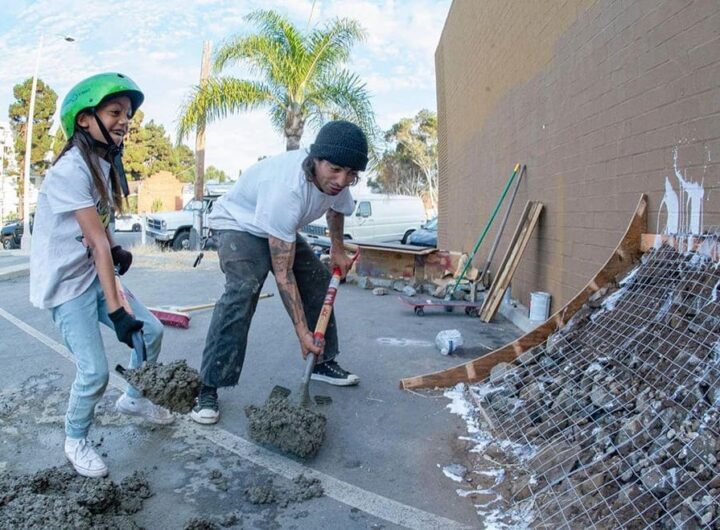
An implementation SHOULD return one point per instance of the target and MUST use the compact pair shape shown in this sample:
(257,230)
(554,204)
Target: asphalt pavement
(381,463)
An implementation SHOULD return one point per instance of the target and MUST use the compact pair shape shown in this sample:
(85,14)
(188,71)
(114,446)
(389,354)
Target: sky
(158,43)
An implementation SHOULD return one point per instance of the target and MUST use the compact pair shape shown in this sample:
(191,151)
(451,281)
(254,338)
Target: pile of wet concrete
(615,420)
(174,385)
(59,498)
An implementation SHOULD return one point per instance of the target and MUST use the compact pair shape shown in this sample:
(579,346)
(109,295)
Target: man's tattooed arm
(282,255)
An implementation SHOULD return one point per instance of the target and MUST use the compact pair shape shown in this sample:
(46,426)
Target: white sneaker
(144,408)
(84,458)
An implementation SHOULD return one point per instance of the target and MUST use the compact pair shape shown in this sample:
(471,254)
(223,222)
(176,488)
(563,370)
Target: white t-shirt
(60,268)
(273,198)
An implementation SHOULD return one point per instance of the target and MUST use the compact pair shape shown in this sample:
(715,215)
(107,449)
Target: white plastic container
(539,306)
(448,340)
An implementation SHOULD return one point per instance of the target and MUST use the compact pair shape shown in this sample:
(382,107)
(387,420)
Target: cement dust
(295,430)
(59,498)
(173,386)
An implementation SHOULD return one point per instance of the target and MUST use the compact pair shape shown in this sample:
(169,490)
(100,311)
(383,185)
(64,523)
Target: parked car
(173,228)
(128,222)
(426,236)
(12,232)
(377,218)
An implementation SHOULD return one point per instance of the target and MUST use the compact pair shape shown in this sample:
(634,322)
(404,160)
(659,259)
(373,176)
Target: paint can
(539,305)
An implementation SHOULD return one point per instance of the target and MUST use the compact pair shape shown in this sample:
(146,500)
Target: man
(257,222)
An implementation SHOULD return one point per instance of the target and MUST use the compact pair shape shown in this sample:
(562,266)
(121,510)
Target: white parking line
(353,496)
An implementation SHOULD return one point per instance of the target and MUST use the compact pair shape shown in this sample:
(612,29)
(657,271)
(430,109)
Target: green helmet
(90,92)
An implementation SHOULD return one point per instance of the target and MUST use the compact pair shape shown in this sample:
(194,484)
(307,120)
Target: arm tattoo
(282,255)
(336,226)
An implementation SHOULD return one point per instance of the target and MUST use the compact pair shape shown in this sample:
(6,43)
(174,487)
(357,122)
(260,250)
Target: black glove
(122,259)
(125,325)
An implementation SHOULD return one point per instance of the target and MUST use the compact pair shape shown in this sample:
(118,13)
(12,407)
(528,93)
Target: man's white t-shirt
(273,198)
(60,268)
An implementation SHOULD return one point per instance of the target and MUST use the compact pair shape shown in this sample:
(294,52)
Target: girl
(73,255)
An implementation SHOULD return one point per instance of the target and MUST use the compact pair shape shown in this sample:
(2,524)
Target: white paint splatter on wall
(683,211)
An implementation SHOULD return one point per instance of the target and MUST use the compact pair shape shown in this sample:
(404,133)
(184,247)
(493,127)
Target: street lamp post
(25,241)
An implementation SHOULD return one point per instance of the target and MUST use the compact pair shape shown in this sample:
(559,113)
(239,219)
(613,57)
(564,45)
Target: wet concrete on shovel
(174,385)
(299,431)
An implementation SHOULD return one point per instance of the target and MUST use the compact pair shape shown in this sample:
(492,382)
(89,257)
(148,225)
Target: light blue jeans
(78,321)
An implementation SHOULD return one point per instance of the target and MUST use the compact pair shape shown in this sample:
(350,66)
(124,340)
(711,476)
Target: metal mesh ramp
(614,421)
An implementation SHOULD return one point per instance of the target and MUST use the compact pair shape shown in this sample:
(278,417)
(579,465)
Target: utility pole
(197,232)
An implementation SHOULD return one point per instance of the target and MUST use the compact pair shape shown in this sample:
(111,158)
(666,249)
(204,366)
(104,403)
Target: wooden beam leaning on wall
(625,255)
(510,262)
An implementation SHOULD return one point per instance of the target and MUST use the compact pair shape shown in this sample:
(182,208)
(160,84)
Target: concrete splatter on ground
(174,385)
(59,498)
(301,489)
(295,430)
(213,523)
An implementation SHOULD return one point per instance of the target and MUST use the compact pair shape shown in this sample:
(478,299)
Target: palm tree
(300,78)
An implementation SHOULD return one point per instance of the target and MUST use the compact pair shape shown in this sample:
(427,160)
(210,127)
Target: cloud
(159,45)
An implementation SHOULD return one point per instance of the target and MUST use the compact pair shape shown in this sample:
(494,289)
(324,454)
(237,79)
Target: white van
(377,218)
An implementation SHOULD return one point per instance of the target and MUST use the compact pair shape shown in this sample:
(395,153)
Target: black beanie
(343,144)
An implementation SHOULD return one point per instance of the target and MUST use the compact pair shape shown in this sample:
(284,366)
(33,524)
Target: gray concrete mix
(383,440)
(174,385)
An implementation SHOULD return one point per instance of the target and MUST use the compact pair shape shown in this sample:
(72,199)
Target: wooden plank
(625,255)
(492,292)
(516,251)
(391,247)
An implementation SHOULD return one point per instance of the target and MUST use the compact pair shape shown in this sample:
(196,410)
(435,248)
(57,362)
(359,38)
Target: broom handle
(187,309)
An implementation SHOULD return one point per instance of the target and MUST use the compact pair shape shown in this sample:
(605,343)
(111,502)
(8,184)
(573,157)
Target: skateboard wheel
(474,312)
(468,311)
(448,308)
(419,311)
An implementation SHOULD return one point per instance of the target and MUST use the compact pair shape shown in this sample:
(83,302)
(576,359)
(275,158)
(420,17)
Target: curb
(15,271)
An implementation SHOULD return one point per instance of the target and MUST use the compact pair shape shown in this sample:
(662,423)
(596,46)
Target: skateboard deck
(419,304)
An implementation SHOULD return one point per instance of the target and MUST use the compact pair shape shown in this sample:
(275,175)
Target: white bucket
(539,305)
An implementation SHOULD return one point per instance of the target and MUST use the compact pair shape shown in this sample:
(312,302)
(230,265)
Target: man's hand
(308,345)
(339,259)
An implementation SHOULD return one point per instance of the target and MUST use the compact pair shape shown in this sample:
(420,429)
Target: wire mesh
(619,409)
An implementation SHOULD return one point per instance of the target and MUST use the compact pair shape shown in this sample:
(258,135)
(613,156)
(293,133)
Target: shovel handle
(139,345)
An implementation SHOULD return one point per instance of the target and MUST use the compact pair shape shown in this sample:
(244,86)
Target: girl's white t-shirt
(273,198)
(60,267)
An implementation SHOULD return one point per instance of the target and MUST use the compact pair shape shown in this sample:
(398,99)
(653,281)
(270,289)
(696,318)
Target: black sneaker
(206,410)
(330,372)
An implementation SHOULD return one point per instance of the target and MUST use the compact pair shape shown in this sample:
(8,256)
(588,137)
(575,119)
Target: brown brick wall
(598,98)
(162,186)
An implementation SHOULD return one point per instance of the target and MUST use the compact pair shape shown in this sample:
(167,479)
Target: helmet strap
(115,153)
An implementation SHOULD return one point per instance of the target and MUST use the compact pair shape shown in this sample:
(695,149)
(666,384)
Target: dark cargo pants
(245,261)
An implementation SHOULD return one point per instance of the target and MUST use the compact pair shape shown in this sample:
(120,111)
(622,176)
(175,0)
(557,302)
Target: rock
(601,398)
(398,285)
(365,283)
(439,291)
(701,451)
(592,484)
(555,461)
(380,291)
(409,291)
(498,373)
(654,479)
(526,357)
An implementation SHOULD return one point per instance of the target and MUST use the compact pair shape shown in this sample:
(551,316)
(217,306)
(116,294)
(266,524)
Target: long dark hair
(85,144)
(308,167)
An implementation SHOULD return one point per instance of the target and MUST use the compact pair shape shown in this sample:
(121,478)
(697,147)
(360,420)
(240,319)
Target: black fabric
(245,261)
(122,259)
(342,143)
(125,325)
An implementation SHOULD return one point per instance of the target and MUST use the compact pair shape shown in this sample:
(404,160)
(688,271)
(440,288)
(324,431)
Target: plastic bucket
(539,305)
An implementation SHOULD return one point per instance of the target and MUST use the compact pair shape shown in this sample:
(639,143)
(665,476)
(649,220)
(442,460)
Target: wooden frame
(511,260)
(625,255)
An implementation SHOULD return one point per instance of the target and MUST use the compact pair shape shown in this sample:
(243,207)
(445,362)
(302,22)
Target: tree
(183,163)
(300,78)
(45,105)
(213,173)
(409,164)
(135,154)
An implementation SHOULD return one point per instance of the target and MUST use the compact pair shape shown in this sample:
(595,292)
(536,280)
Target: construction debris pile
(614,421)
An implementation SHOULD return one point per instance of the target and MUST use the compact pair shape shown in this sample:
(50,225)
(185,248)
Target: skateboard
(419,304)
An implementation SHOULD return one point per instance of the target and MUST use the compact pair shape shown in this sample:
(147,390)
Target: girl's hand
(125,325)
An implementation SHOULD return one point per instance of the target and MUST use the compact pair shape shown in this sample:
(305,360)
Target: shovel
(319,336)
